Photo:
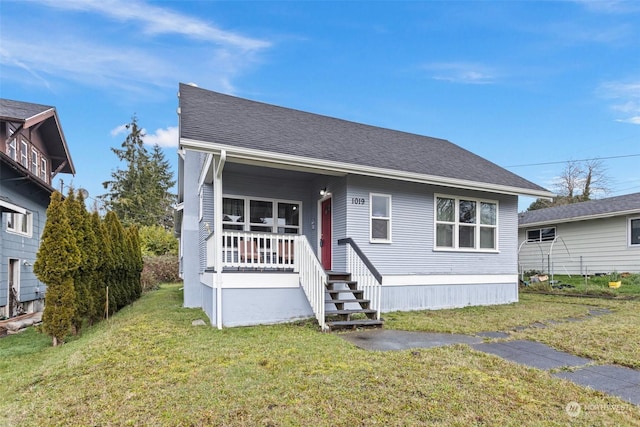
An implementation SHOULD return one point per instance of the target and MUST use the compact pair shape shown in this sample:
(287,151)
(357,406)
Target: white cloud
(130,64)
(163,137)
(119,130)
(626,99)
(461,72)
(159,20)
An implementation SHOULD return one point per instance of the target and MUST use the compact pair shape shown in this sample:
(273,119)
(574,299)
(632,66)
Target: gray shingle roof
(610,206)
(222,119)
(48,126)
(20,111)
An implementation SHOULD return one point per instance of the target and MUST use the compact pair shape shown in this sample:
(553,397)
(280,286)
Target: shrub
(155,240)
(159,269)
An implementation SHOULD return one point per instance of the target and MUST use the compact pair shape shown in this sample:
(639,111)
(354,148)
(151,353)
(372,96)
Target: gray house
(598,236)
(285,214)
(33,151)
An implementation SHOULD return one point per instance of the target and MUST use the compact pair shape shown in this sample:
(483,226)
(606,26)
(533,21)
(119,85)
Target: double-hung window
(19,223)
(34,161)
(634,231)
(24,155)
(12,150)
(463,223)
(43,169)
(380,218)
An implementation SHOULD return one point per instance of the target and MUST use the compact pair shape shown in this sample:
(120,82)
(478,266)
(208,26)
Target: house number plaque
(357,200)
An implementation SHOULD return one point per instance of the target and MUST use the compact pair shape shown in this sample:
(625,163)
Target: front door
(325,234)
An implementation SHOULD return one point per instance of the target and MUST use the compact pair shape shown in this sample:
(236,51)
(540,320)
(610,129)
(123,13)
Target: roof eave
(339,168)
(581,218)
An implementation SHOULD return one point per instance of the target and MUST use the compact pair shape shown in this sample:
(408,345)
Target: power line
(578,160)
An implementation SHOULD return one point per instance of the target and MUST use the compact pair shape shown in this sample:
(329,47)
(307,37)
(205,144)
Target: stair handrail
(313,278)
(365,273)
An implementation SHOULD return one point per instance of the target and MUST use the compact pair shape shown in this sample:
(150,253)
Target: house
(597,236)
(33,151)
(285,214)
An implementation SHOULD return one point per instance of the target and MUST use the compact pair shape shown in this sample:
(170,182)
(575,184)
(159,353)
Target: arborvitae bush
(56,262)
(117,288)
(103,262)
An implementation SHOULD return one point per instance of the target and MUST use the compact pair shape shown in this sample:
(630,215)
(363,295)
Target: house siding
(583,247)
(190,230)
(411,249)
(17,246)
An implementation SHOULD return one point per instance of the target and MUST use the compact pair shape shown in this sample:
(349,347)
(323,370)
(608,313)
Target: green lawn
(148,365)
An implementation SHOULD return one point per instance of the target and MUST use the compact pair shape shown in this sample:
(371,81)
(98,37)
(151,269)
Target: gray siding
(190,250)
(243,307)
(35,200)
(583,247)
(411,250)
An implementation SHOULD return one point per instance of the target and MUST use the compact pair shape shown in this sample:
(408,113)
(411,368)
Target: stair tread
(354,311)
(345,291)
(333,301)
(354,323)
(346,282)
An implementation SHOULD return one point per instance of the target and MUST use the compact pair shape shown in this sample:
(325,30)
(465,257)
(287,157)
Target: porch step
(351,295)
(354,324)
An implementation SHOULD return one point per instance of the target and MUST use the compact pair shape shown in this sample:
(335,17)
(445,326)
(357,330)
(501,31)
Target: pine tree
(56,261)
(140,193)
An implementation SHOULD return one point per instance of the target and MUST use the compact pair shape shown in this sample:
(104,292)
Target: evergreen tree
(56,261)
(117,287)
(139,194)
(100,276)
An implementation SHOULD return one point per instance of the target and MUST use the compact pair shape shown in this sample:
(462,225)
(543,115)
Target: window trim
(389,238)
(247,214)
(478,225)
(27,220)
(43,169)
(35,167)
(12,149)
(629,242)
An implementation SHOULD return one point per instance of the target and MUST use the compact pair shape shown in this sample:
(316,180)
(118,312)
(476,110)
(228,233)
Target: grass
(591,285)
(148,365)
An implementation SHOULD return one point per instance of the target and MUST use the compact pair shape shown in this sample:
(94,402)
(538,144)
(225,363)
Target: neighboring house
(271,199)
(598,236)
(32,151)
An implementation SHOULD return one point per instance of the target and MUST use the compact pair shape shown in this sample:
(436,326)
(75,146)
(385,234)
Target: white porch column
(218,166)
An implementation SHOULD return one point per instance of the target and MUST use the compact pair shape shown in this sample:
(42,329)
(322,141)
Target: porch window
(19,223)
(11,149)
(380,218)
(34,161)
(634,231)
(233,214)
(24,156)
(465,224)
(265,215)
(43,169)
(541,234)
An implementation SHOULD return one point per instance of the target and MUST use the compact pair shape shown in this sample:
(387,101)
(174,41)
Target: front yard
(149,366)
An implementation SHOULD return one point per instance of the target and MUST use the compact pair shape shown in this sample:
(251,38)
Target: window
(24,157)
(34,161)
(19,223)
(466,224)
(43,169)
(634,231)
(380,217)
(541,234)
(265,215)
(11,149)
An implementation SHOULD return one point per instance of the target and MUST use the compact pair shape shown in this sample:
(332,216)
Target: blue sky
(523,84)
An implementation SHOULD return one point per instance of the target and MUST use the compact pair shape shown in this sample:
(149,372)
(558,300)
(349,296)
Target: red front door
(325,234)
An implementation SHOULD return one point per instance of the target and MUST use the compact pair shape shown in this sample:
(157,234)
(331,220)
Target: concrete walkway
(614,380)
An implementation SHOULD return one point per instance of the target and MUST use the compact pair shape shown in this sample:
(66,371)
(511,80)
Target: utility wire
(578,160)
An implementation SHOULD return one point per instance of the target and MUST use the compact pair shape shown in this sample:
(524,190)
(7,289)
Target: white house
(597,236)
(285,214)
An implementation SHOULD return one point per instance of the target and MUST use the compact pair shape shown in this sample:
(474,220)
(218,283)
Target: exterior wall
(583,247)
(412,248)
(406,298)
(190,233)
(35,200)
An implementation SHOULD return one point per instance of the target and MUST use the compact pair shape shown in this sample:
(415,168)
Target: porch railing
(253,250)
(274,251)
(365,273)
(313,278)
